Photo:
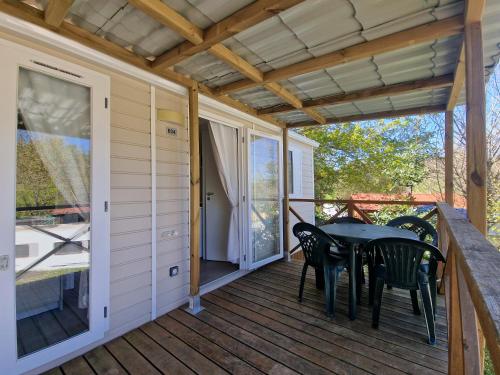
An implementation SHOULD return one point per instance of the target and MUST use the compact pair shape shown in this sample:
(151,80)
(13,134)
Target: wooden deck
(255,325)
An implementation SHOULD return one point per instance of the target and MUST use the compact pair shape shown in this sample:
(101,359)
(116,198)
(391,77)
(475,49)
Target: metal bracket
(194,305)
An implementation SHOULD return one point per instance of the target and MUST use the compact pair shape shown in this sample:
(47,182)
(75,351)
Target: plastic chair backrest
(402,259)
(424,230)
(314,242)
(346,220)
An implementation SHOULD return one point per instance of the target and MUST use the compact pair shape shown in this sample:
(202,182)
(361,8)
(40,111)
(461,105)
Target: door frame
(240,128)
(15,56)
(250,264)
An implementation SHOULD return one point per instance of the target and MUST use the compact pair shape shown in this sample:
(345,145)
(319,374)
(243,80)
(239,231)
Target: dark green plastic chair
(324,254)
(403,269)
(422,228)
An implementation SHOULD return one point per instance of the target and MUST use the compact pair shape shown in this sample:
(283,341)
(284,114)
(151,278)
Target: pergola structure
(296,63)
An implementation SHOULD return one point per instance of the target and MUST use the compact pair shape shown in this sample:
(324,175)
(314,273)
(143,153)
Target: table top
(362,233)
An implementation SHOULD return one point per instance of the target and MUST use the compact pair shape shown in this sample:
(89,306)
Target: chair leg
(414,302)
(371,278)
(377,302)
(428,311)
(320,278)
(433,289)
(330,273)
(302,281)
(359,277)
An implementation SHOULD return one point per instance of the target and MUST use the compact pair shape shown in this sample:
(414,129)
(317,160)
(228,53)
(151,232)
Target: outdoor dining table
(356,234)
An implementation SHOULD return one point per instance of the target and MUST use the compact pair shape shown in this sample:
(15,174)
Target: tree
(375,156)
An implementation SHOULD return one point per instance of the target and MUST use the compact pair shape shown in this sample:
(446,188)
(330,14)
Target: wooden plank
(224,340)
(30,336)
(476,127)
(448,158)
(239,21)
(296,214)
(103,363)
(190,357)
(194,198)
(415,35)
(370,93)
(129,358)
(356,343)
(374,116)
(237,62)
(222,357)
(56,11)
(159,357)
(77,366)
(170,18)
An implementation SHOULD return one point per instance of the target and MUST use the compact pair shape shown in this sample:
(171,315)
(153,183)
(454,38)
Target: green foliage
(369,157)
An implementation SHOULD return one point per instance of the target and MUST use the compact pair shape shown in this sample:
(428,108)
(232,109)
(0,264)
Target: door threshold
(221,281)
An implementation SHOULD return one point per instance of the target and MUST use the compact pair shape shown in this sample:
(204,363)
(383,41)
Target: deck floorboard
(255,325)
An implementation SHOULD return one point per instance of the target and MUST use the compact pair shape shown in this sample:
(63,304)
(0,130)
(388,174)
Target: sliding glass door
(265,198)
(53,129)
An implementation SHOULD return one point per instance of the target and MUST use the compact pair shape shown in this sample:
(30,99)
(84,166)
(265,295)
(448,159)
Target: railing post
(286,201)
(350,208)
(448,158)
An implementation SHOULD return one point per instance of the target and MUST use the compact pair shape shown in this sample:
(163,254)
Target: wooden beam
(194,196)
(473,13)
(237,62)
(286,201)
(415,35)
(56,10)
(476,150)
(82,36)
(243,19)
(448,158)
(370,93)
(374,116)
(171,18)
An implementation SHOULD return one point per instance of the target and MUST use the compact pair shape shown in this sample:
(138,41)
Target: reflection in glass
(52,210)
(264,189)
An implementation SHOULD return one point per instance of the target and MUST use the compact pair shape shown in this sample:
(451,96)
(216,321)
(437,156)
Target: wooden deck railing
(472,289)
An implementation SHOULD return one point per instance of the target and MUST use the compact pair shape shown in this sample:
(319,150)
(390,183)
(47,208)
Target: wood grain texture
(56,11)
(286,201)
(419,34)
(448,158)
(194,198)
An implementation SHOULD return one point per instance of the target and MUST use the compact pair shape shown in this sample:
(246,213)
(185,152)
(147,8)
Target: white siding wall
(305,210)
(130,289)
(172,155)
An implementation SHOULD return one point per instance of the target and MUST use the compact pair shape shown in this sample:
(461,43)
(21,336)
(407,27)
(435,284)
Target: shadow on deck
(255,325)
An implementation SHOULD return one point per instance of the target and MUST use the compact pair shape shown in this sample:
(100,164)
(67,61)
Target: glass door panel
(265,199)
(53,200)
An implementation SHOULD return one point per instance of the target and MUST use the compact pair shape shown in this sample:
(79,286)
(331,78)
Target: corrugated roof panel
(356,75)
(312,85)
(340,110)
(257,97)
(373,105)
(294,116)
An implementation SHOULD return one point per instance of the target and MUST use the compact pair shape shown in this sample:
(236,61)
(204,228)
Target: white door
(54,273)
(216,205)
(264,198)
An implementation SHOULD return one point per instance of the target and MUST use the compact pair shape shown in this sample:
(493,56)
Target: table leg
(359,273)
(352,282)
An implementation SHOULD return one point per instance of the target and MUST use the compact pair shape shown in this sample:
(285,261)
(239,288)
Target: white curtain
(225,145)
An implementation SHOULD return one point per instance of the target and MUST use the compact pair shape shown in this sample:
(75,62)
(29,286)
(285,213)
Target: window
(294,172)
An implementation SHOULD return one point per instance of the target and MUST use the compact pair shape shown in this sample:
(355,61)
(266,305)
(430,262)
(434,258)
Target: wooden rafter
(243,19)
(82,36)
(473,13)
(56,11)
(370,93)
(375,116)
(171,18)
(415,35)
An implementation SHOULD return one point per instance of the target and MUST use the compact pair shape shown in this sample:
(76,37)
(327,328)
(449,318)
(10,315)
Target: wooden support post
(194,200)
(475,141)
(286,201)
(350,209)
(476,126)
(448,158)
